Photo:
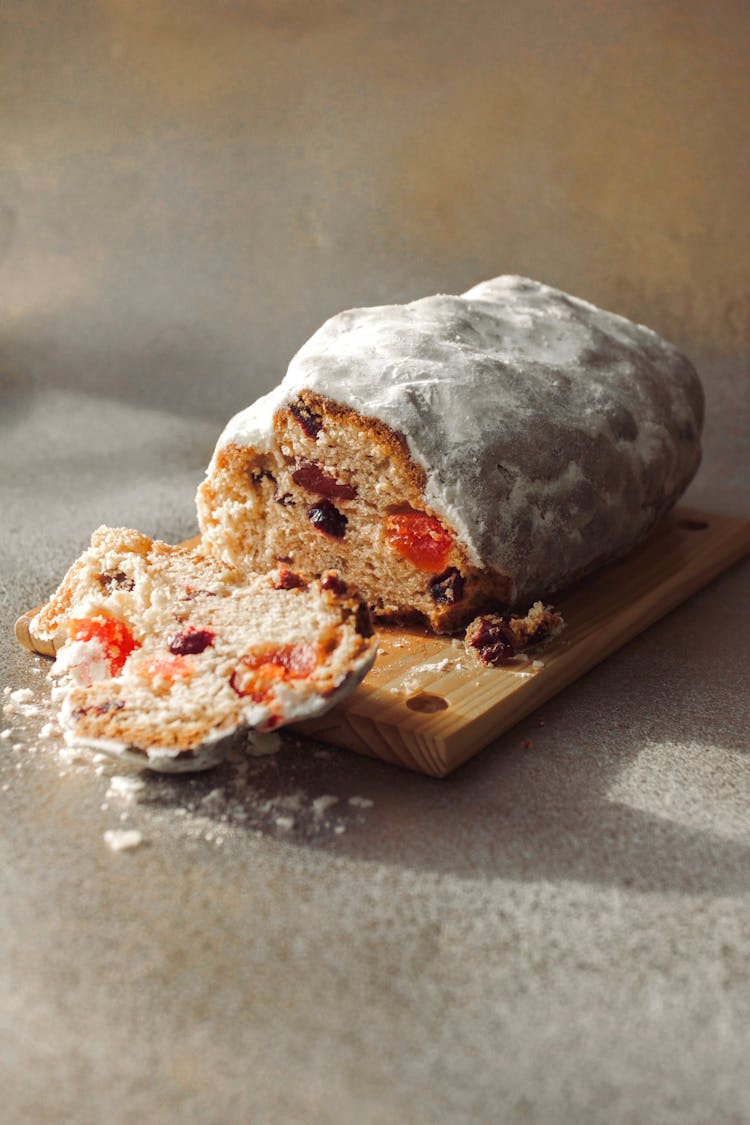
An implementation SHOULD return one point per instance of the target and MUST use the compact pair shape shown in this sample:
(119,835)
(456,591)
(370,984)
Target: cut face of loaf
(337,490)
(165,653)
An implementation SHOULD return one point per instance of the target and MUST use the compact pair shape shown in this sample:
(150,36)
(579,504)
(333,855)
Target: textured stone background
(554,934)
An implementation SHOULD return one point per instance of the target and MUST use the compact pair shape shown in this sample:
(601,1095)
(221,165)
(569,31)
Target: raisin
(420,539)
(492,639)
(447,588)
(333,583)
(117,580)
(310,422)
(314,478)
(257,672)
(326,518)
(191,641)
(289,580)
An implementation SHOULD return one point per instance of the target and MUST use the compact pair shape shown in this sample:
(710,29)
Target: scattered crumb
(47,730)
(259,744)
(122,839)
(339,829)
(22,695)
(537,663)
(321,805)
(285,823)
(361,802)
(213,800)
(6,734)
(528,744)
(125,786)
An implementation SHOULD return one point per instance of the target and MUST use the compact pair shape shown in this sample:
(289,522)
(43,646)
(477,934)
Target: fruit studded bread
(458,454)
(165,652)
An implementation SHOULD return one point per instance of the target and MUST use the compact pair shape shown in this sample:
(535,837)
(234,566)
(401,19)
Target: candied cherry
(172,667)
(257,672)
(114,636)
(420,539)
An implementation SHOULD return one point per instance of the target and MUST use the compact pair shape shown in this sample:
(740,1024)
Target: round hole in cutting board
(692,525)
(427,703)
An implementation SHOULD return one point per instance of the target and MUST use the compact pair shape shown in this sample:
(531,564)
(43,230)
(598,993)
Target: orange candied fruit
(420,539)
(166,668)
(257,672)
(114,636)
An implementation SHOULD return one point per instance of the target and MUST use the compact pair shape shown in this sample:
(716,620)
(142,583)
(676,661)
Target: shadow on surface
(542,812)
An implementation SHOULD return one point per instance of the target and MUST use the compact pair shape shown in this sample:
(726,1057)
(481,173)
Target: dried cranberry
(313,477)
(492,640)
(289,580)
(447,588)
(310,422)
(191,641)
(332,582)
(326,518)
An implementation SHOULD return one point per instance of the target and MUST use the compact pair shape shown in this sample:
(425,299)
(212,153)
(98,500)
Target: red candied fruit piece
(420,539)
(257,672)
(314,478)
(114,636)
(172,667)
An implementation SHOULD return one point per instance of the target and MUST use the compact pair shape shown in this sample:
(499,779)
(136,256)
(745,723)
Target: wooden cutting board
(428,706)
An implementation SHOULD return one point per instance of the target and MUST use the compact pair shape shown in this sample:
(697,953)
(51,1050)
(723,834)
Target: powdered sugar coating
(552,433)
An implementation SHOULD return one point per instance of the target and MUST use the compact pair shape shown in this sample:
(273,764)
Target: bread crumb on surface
(22,695)
(361,802)
(123,839)
(321,805)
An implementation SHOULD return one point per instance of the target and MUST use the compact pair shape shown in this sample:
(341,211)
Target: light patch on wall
(605,168)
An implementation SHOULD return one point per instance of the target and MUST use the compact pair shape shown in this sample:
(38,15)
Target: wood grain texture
(428,706)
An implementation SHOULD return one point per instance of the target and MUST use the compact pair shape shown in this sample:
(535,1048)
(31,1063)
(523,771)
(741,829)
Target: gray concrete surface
(557,933)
